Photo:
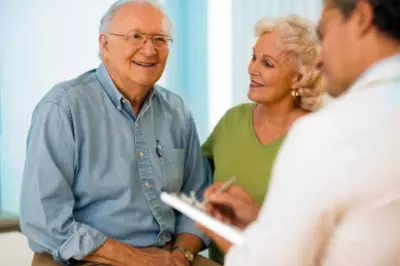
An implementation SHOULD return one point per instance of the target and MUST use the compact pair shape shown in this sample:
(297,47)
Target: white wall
(219,27)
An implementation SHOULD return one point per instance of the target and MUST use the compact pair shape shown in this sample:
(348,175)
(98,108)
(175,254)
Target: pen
(158,149)
(222,188)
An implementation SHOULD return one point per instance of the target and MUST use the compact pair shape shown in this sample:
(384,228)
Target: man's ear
(103,43)
(363,16)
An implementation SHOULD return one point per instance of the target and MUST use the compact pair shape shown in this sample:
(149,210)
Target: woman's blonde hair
(297,37)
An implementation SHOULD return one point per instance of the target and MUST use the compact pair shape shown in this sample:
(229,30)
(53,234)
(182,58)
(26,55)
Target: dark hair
(386,14)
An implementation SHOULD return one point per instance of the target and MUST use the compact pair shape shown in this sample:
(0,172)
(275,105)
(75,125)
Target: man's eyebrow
(137,30)
(133,30)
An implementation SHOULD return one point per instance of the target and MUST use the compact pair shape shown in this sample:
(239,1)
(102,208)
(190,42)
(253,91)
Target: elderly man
(335,194)
(102,147)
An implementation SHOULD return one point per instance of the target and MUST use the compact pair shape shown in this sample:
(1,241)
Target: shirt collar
(112,91)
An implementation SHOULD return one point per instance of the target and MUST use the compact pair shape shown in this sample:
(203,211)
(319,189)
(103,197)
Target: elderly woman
(284,86)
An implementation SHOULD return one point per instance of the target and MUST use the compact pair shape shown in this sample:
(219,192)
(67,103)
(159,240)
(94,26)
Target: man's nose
(148,47)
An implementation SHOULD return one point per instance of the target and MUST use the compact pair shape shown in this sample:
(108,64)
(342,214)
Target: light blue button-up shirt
(94,170)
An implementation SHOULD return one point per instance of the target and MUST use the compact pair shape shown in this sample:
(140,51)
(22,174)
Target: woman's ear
(297,79)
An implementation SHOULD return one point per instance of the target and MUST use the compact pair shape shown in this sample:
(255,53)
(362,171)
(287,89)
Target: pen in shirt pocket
(158,149)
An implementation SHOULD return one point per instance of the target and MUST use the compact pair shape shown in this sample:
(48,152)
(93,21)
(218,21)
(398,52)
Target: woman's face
(272,72)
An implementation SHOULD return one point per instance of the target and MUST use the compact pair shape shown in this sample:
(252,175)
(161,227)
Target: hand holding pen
(230,203)
(221,188)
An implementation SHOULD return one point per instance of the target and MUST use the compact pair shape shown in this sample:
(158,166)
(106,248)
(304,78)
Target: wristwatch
(188,255)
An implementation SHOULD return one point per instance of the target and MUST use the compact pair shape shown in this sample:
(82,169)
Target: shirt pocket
(173,169)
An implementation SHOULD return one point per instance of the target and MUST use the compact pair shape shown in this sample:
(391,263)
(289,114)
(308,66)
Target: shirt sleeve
(197,177)
(47,200)
(299,214)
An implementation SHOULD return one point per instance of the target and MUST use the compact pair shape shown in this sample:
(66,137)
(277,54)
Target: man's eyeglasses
(140,39)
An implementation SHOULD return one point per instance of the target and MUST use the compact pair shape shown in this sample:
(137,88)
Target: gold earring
(295,93)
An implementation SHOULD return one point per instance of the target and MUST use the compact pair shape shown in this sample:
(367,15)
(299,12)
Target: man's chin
(332,87)
(147,83)
(145,78)
(335,90)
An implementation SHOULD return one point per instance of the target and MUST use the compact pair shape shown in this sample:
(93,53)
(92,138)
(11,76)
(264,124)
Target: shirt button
(119,108)
(147,185)
(155,212)
(141,155)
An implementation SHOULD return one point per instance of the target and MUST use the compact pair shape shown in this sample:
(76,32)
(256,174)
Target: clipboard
(230,233)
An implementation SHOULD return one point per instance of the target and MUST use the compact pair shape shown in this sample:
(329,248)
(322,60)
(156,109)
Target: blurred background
(44,42)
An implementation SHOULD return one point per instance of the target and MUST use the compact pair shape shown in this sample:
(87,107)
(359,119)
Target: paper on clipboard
(228,232)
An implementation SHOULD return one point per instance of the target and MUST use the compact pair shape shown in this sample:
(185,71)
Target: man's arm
(191,242)
(197,176)
(299,213)
(47,199)
(116,253)
(113,252)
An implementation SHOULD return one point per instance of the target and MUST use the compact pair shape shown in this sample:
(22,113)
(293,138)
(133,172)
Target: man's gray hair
(111,12)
